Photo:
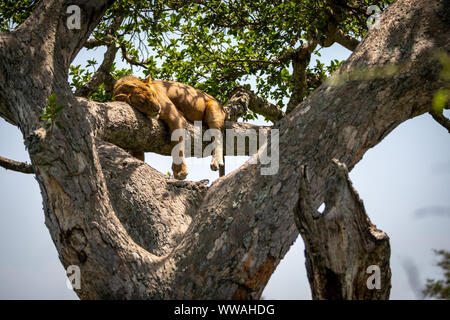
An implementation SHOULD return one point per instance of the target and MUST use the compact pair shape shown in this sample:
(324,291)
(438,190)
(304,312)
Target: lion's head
(139,94)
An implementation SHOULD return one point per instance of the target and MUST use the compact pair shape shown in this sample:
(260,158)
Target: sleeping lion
(173,102)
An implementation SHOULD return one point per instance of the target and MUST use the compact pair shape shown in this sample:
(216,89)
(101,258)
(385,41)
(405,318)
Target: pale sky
(403,181)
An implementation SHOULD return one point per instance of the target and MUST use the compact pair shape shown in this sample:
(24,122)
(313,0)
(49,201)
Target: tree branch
(287,56)
(22,167)
(441,119)
(300,53)
(122,125)
(244,99)
(345,40)
(94,43)
(109,41)
(68,46)
(130,60)
(101,75)
(299,75)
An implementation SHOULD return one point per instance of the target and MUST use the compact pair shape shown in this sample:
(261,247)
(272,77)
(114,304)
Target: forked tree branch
(101,75)
(130,59)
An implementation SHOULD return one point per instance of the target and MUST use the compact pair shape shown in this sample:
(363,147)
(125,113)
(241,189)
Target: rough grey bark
(338,270)
(120,124)
(135,233)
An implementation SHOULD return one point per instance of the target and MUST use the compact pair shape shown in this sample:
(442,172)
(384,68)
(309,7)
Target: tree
(134,232)
(440,289)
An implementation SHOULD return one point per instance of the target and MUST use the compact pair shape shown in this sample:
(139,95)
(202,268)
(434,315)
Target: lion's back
(190,101)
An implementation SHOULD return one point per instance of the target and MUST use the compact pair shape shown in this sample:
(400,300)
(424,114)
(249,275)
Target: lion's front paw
(216,164)
(180,171)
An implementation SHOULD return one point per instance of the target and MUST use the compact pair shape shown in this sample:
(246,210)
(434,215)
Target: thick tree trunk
(135,233)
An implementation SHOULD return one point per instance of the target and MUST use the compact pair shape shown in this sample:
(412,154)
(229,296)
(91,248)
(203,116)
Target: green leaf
(52,99)
(440,99)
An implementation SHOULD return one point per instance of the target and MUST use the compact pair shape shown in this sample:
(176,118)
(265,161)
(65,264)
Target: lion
(173,102)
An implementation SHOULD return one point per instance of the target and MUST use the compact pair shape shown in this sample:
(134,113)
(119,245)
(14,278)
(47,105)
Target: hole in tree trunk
(321,208)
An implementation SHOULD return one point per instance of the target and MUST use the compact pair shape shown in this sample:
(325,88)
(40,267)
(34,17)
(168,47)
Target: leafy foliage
(51,112)
(14,12)
(442,96)
(216,45)
(440,289)
(80,75)
(219,44)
